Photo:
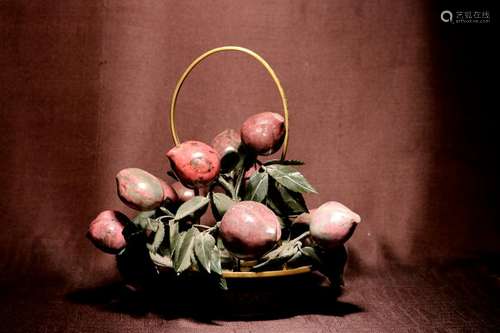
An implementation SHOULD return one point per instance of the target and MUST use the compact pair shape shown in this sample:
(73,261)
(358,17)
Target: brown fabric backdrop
(390,108)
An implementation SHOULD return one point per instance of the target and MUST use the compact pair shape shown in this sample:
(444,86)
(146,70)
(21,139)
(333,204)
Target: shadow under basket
(266,297)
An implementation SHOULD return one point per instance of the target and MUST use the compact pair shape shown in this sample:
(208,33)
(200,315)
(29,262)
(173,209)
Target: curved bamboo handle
(175,137)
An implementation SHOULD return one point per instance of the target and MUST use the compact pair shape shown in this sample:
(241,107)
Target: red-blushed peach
(208,217)
(195,163)
(332,224)
(301,224)
(105,231)
(249,229)
(168,192)
(139,189)
(185,194)
(227,144)
(304,218)
(263,133)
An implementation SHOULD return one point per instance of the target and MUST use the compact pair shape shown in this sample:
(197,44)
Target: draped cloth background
(390,108)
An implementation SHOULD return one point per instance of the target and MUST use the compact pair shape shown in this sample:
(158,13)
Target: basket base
(269,298)
(266,274)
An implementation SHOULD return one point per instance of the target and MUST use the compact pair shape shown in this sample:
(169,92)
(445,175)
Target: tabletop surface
(457,298)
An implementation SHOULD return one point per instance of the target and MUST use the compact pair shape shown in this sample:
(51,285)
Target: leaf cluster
(176,241)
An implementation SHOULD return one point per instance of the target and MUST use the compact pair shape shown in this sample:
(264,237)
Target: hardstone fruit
(208,218)
(183,193)
(249,229)
(139,189)
(300,224)
(227,144)
(263,133)
(195,163)
(304,218)
(105,231)
(168,192)
(332,224)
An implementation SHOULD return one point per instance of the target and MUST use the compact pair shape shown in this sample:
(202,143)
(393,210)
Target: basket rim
(229,48)
(267,274)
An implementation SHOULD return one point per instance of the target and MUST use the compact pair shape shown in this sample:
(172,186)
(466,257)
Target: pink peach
(227,144)
(195,163)
(168,192)
(105,231)
(304,218)
(185,194)
(139,189)
(332,224)
(249,229)
(263,133)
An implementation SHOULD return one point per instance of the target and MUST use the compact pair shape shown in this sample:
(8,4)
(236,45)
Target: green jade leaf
(167,212)
(192,206)
(203,248)
(294,201)
(290,178)
(158,238)
(284,162)
(257,187)
(173,234)
(184,249)
(215,261)
(279,255)
(141,219)
(221,203)
(162,261)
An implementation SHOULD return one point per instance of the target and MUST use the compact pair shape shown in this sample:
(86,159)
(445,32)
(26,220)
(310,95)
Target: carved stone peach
(263,133)
(139,189)
(195,163)
(227,144)
(183,193)
(105,231)
(249,229)
(332,224)
(168,192)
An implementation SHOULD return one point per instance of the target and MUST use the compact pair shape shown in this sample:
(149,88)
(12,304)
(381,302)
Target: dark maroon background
(391,108)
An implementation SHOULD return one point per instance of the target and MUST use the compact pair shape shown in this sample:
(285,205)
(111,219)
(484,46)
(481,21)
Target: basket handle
(175,137)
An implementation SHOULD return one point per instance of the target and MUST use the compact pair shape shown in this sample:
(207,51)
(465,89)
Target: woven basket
(240,274)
